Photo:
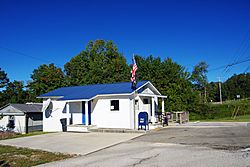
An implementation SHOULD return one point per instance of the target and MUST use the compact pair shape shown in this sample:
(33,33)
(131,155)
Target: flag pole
(133,84)
(134,112)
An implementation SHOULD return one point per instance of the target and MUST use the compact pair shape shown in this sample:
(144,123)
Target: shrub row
(215,111)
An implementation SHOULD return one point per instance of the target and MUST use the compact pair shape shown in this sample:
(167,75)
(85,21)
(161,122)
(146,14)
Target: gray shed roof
(20,109)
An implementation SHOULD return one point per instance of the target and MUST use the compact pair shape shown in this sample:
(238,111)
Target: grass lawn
(241,118)
(11,135)
(24,157)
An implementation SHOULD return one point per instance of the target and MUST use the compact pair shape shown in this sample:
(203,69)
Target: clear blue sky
(53,31)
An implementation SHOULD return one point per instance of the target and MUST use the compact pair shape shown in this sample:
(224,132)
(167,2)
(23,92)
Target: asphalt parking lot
(228,138)
(182,146)
(170,146)
(174,146)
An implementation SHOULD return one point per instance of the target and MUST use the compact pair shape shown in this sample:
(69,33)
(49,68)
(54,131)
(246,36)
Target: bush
(202,111)
(215,111)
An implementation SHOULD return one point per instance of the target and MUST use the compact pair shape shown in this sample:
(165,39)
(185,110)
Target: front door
(147,106)
(84,113)
(89,112)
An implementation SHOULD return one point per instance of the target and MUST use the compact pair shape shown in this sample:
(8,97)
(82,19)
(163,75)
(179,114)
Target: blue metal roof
(90,91)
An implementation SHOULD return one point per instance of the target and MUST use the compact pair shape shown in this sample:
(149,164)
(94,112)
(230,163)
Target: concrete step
(79,128)
(155,126)
(115,130)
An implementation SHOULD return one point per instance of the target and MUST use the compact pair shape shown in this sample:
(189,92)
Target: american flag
(134,69)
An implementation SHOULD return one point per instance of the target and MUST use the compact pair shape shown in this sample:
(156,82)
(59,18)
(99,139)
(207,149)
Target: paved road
(175,147)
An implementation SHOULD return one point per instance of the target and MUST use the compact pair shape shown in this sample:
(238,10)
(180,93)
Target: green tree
(45,79)
(14,93)
(237,85)
(100,62)
(199,79)
(213,92)
(3,78)
(170,79)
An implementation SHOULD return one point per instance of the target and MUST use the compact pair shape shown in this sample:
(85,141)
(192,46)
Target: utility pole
(220,90)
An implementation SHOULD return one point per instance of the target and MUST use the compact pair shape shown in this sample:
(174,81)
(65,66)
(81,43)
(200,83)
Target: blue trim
(89,112)
(83,112)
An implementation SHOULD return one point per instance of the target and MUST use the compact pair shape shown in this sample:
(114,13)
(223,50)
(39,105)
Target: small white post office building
(113,105)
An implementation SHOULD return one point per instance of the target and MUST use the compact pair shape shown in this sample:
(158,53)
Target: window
(11,118)
(11,123)
(114,105)
(145,101)
(137,104)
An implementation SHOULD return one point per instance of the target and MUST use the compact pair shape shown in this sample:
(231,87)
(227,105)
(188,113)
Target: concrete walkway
(72,143)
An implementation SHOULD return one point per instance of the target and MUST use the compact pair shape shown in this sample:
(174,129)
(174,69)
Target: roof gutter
(49,97)
(105,95)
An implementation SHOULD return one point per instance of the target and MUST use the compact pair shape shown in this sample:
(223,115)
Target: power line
(240,52)
(243,45)
(238,62)
(248,68)
(230,65)
(24,55)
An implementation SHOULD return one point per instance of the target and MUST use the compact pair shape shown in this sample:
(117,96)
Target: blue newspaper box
(143,120)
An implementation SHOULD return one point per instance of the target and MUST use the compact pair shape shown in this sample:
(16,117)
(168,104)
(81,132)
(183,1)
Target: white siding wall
(131,115)
(137,112)
(19,123)
(103,117)
(52,123)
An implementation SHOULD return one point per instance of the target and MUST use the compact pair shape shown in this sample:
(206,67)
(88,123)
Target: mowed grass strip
(240,118)
(24,157)
(11,135)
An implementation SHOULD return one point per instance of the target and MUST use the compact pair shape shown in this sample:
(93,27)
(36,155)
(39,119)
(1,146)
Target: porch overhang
(152,95)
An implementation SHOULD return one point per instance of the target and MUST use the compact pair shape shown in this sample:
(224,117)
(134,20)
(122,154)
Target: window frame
(115,109)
